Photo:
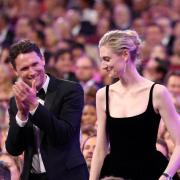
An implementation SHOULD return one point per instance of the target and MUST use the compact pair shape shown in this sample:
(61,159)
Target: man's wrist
(34,105)
(34,110)
(22,116)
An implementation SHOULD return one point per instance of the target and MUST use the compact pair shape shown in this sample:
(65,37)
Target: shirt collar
(46,83)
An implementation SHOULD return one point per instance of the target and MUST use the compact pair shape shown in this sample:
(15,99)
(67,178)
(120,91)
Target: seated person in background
(162,147)
(13,163)
(87,131)
(88,115)
(5,173)
(88,149)
(173,85)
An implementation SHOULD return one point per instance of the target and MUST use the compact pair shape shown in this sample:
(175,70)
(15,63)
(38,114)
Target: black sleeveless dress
(133,153)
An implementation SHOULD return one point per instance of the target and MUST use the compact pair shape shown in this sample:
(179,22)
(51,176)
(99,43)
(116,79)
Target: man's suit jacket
(59,122)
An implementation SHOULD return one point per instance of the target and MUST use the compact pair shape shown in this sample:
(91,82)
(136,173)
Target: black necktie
(41,94)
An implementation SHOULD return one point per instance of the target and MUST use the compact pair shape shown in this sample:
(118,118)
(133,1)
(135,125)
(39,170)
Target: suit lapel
(51,93)
(50,97)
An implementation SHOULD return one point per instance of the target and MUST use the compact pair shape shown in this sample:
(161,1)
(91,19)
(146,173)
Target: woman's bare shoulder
(101,93)
(160,90)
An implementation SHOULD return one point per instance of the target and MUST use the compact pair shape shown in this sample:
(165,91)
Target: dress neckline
(129,117)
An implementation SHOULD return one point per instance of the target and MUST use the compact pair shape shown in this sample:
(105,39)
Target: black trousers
(42,176)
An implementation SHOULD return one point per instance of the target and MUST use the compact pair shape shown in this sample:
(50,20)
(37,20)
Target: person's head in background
(88,115)
(88,149)
(153,34)
(85,69)
(13,164)
(22,28)
(78,50)
(122,16)
(175,57)
(4,59)
(175,6)
(86,131)
(139,26)
(37,37)
(173,85)
(5,94)
(176,29)
(103,8)
(34,10)
(156,70)
(51,39)
(5,79)
(28,62)
(5,173)
(62,28)
(165,24)
(74,18)
(90,95)
(162,147)
(4,21)
(63,62)
(4,116)
(176,47)
(159,51)
(103,26)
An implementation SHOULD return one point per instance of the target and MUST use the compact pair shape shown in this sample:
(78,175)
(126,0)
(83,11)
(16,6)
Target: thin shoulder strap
(150,103)
(107,100)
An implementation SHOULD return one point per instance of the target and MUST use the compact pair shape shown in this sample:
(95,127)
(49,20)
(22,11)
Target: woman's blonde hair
(118,40)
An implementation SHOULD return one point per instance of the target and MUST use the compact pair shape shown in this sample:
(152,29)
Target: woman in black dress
(128,114)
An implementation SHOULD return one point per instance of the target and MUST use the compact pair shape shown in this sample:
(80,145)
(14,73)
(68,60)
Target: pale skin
(131,88)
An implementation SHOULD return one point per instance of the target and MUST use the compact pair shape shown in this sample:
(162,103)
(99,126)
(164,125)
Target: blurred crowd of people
(68,31)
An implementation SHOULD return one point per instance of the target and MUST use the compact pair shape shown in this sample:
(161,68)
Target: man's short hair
(22,47)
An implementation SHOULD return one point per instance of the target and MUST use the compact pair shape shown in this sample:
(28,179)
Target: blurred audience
(68,32)
(13,164)
(88,149)
(5,173)
(173,85)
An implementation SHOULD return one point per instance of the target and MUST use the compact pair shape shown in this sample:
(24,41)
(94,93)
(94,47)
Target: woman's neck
(130,77)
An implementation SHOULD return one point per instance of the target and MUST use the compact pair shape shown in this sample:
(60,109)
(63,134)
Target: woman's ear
(125,54)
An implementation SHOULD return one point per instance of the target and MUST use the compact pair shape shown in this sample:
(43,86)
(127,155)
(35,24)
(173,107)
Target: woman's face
(89,115)
(114,64)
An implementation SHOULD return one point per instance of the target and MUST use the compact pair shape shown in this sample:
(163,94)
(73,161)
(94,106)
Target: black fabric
(133,153)
(41,94)
(59,123)
(42,176)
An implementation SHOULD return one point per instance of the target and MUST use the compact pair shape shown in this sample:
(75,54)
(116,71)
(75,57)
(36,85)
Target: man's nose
(90,151)
(32,71)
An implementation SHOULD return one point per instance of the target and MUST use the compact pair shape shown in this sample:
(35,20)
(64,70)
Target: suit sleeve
(62,127)
(15,142)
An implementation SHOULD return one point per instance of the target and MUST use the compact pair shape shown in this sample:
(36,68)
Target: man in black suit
(45,128)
